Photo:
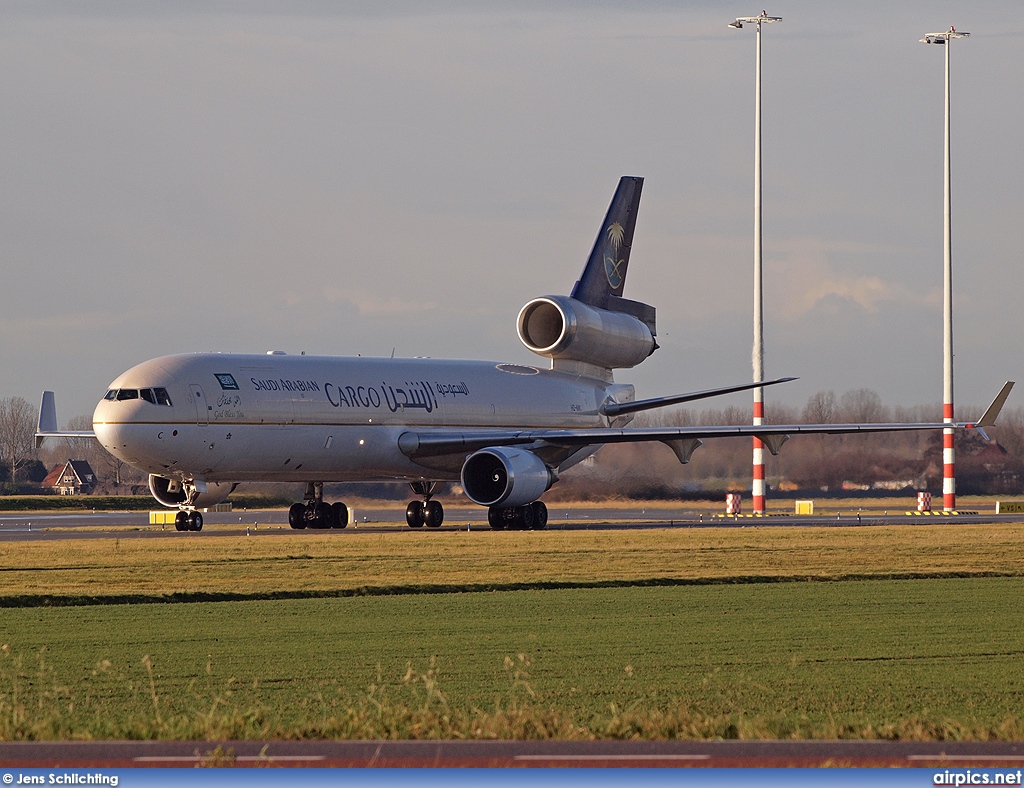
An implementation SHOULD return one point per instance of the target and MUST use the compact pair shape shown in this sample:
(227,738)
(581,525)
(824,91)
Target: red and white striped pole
(948,457)
(757,485)
(757,490)
(948,462)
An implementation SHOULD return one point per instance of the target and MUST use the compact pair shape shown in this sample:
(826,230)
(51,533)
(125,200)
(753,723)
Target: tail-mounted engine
(563,328)
(171,492)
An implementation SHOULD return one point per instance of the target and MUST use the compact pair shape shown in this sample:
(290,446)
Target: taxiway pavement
(38,526)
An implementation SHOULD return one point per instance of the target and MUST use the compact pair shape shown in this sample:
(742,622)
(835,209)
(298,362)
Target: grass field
(914,632)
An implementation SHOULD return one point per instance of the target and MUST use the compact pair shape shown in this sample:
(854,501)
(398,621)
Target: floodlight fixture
(754,20)
(943,38)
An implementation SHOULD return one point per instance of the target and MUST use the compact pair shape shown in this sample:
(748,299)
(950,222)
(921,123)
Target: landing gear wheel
(524,517)
(496,518)
(297,516)
(195,521)
(339,515)
(540,515)
(414,514)
(181,521)
(433,514)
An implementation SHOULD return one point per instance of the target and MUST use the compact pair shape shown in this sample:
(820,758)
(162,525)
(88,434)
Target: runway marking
(944,757)
(666,757)
(199,758)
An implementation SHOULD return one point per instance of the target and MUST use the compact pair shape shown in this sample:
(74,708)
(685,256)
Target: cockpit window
(154,396)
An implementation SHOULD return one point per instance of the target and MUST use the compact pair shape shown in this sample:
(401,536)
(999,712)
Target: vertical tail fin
(605,273)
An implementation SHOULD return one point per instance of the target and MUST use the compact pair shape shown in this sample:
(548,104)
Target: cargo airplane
(199,424)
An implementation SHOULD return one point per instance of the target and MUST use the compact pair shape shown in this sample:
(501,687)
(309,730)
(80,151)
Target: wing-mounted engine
(505,476)
(171,492)
(596,330)
(565,329)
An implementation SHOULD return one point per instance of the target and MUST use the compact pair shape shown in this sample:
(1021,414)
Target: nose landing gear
(188,521)
(315,513)
(426,512)
(188,517)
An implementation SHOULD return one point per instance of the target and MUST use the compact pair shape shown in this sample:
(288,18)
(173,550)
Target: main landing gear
(315,513)
(533,516)
(426,512)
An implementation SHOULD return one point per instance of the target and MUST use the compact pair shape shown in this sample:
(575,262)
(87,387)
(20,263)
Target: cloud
(810,279)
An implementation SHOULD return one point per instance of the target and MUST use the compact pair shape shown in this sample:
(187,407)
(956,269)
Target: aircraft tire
(524,517)
(433,514)
(297,516)
(339,515)
(414,514)
(496,518)
(195,521)
(181,521)
(540,515)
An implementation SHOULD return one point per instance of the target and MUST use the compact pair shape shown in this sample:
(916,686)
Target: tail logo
(612,267)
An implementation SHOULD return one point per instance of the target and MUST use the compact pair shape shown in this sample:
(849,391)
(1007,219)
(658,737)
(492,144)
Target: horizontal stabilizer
(618,408)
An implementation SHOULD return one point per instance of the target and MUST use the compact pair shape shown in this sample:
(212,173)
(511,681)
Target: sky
(378,177)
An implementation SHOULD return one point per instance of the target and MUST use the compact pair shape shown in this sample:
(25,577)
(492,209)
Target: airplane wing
(48,423)
(682,440)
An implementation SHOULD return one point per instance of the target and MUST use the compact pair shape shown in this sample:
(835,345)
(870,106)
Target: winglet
(988,418)
(48,423)
(47,413)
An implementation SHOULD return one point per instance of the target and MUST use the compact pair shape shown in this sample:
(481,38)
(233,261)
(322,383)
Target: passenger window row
(155,396)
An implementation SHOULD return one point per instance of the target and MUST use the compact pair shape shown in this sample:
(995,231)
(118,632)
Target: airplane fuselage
(275,417)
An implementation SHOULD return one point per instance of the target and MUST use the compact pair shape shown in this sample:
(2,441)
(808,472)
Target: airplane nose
(106,434)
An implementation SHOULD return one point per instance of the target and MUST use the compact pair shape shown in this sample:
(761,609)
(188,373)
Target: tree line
(881,462)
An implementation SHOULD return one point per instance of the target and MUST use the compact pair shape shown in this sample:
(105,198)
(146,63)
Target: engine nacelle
(170,493)
(505,476)
(561,327)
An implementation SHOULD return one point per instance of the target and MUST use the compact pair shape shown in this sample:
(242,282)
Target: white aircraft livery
(199,424)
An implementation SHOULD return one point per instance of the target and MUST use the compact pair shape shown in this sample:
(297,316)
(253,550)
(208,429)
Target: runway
(621,754)
(40,526)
